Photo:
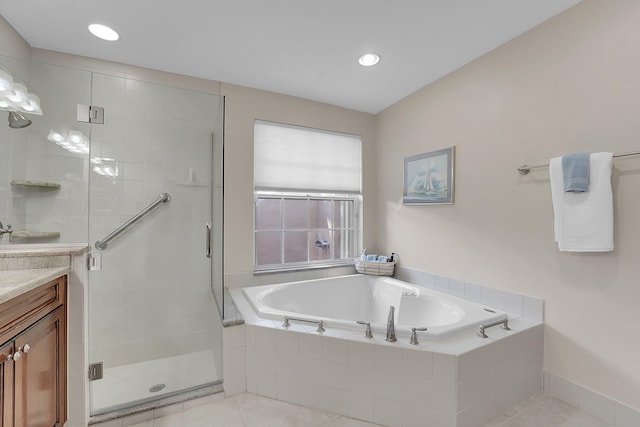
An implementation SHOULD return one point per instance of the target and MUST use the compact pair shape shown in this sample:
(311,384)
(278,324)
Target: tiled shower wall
(64,210)
(13,159)
(152,298)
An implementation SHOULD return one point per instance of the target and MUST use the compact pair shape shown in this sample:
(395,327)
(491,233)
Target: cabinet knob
(18,354)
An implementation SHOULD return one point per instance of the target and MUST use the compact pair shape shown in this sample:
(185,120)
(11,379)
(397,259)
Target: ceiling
(302,48)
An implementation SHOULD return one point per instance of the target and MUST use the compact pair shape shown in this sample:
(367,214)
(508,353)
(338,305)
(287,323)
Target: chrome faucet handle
(367,332)
(414,337)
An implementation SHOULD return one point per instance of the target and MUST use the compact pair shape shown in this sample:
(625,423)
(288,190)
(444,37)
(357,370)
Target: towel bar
(525,169)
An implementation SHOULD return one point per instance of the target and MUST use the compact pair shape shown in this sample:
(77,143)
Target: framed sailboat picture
(428,178)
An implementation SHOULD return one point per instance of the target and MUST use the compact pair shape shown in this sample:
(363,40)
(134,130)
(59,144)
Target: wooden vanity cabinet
(33,359)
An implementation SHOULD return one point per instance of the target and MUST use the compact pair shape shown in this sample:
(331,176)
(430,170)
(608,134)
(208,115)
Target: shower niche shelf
(36,234)
(35,184)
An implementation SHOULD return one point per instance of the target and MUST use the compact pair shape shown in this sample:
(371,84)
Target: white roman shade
(303,159)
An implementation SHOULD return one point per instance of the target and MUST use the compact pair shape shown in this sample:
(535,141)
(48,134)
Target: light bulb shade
(75,141)
(32,105)
(19,94)
(55,136)
(75,137)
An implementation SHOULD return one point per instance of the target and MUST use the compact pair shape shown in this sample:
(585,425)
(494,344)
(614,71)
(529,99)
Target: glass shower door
(154,324)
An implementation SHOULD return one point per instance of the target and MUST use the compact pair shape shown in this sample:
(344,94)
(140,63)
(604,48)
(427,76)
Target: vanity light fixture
(75,142)
(105,166)
(6,82)
(15,97)
(103,32)
(369,59)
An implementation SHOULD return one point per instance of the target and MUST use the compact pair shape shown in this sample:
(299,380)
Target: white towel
(583,222)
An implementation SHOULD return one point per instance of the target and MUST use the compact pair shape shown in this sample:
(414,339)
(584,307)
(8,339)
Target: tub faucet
(391,330)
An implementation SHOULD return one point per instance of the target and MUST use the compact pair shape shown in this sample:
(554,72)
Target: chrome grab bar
(504,323)
(287,320)
(102,244)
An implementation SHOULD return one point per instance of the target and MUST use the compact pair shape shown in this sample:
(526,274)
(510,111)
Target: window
(307,197)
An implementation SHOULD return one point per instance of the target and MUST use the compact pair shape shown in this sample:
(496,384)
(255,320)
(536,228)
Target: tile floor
(250,410)
(542,410)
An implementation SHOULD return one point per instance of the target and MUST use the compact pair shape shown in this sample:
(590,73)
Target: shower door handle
(208,239)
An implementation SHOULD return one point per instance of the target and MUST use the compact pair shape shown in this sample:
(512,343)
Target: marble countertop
(15,251)
(18,282)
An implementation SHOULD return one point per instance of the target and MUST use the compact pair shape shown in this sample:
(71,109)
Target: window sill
(294,268)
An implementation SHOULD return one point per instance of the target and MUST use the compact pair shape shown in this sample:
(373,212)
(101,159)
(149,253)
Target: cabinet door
(6,385)
(40,373)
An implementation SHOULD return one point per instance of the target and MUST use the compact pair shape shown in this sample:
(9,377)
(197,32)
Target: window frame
(356,220)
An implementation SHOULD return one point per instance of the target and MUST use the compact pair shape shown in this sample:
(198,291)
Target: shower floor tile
(122,385)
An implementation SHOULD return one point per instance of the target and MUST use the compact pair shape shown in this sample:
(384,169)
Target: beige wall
(11,42)
(244,105)
(571,84)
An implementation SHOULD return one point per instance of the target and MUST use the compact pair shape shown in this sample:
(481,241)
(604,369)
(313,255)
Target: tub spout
(391,329)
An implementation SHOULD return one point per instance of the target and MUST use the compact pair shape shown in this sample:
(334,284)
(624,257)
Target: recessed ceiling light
(369,59)
(103,32)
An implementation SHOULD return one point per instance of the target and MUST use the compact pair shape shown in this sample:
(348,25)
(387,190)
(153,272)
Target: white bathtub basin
(342,301)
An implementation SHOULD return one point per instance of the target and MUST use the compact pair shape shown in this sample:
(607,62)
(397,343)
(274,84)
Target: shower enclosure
(154,325)
(144,189)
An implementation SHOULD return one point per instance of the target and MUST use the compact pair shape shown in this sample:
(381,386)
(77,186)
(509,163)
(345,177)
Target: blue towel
(575,172)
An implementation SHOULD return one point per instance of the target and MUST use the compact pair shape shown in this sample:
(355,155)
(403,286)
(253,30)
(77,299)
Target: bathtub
(342,301)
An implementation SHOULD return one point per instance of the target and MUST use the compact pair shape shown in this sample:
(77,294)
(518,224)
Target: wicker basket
(375,268)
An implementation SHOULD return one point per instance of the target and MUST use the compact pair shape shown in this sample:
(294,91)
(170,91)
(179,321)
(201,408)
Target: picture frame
(429,178)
